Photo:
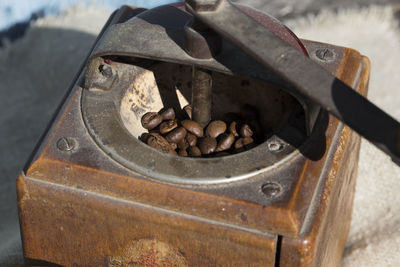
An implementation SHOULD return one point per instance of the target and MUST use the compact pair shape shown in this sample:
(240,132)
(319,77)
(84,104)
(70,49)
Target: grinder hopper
(105,198)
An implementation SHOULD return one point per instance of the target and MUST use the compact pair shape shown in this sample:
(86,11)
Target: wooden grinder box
(83,204)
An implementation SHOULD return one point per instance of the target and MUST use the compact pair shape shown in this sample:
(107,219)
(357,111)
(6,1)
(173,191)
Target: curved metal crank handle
(306,76)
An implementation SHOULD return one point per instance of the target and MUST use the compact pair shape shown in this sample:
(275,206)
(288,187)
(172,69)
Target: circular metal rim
(105,126)
(100,115)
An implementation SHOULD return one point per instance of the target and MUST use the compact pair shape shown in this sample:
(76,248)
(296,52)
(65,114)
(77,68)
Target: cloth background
(36,70)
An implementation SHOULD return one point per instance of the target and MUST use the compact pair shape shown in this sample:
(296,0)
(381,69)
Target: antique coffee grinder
(94,194)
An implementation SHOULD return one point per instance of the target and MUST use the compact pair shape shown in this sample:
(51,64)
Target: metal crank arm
(306,76)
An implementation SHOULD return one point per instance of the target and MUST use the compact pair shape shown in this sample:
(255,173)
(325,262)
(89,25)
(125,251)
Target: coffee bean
(151,120)
(174,146)
(160,143)
(155,130)
(255,125)
(183,144)
(233,128)
(194,151)
(144,137)
(242,142)
(168,114)
(225,142)
(176,135)
(215,128)
(245,131)
(183,153)
(193,127)
(168,126)
(191,139)
(188,110)
(207,145)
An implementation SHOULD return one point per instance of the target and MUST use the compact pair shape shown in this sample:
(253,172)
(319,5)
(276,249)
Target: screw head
(271,189)
(325,54)
(106,71)
(66,144)
(276,145)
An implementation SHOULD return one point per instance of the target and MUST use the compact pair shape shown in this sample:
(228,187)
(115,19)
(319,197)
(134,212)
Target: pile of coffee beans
(187,138)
